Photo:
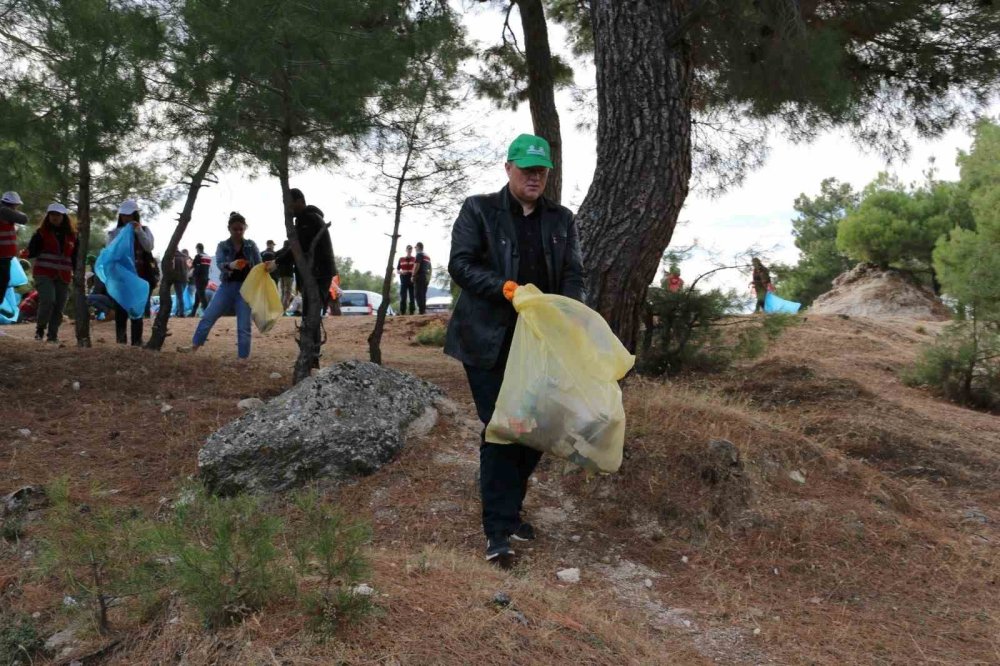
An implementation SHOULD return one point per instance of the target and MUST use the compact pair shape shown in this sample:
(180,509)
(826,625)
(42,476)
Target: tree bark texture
(541,88)
(83,244)
(159,333)
(310,332)
(644,75)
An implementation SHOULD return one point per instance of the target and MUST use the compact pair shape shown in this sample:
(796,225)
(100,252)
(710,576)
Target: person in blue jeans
(234,256)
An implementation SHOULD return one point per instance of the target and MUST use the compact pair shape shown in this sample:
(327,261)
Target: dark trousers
(52,293)
(4,276)
(323,283)
(121,317)
(179,289)
(200,298)
(406,290)
(504,469)
(420,286)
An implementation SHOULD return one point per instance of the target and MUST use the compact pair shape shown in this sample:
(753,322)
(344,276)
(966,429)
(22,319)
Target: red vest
(8,240)
(52,262)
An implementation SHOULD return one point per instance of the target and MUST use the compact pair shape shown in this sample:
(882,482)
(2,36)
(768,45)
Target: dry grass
(874,559)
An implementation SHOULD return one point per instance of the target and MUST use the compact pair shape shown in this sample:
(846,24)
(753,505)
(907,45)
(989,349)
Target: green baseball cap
(529,150)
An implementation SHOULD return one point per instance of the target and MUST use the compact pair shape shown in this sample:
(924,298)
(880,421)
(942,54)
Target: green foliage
(432,335)
(331,546)
(898,226)
(815,232)
(352,278)
(968,261)
(94,551)
(503,77)
(225,555)
(19,640)
(681,327)
(962,365)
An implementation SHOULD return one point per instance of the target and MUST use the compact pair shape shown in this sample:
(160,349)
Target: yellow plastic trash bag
(261,294)
(560,391)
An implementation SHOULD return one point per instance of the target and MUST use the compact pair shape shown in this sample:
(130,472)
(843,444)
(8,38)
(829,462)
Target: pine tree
(79,66)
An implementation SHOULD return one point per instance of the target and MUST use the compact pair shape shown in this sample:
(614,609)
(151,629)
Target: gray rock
(501,599)
(246,404)
(569,575)
(345,421)
(23,500)
(275,375)
(61,643)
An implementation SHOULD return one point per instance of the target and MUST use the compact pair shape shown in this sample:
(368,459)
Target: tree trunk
(310,338)
(644,75)
(541,88)
(83,245)
(159,333)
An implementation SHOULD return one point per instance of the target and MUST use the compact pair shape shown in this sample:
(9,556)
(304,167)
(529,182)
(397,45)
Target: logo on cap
(536,150)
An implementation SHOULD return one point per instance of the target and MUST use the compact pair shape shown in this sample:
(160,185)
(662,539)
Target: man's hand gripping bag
(560,391)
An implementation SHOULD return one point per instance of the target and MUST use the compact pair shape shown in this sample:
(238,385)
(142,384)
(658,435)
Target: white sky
(758,213)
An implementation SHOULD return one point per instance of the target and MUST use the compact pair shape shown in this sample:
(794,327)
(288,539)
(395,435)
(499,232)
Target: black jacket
(307,225)
(484,256)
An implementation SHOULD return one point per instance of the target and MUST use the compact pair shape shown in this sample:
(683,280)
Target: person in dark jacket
(421,278)
(308,223)
(761,283)
(499,241)
(9,216)
(54,249)
(286,278)
(128,218)
(201,266)
(178,275)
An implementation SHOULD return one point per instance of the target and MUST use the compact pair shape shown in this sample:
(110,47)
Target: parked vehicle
(358,302)
(437,304)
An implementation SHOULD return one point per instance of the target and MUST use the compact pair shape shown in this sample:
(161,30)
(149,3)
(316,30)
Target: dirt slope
(868,291)
(885,554)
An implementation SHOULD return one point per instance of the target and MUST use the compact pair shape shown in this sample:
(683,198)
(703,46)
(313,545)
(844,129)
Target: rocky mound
(347,420)
(868,291)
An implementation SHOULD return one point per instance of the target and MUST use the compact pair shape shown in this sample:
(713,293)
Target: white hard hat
(128,207)
(12,198)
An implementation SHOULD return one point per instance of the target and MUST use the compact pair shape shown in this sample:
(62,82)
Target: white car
(438,304)
(358,302)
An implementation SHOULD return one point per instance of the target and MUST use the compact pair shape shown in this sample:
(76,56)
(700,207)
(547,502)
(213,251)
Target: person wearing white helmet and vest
(54,248)
(128,217)
(9,216)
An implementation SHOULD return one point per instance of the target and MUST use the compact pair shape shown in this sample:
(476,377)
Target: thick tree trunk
(541,88)
(159,333)
(644,74)
(83,246)
(310,332)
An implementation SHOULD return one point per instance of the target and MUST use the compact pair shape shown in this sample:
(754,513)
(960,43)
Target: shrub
(332,546)
(19,640)
(432,335)
(95,551)
(963,365)
(223,554)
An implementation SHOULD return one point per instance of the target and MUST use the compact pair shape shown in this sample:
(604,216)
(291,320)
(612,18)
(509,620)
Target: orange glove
(238,264)
(509,287)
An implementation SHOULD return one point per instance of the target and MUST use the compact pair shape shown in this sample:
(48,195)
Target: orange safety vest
(53,261)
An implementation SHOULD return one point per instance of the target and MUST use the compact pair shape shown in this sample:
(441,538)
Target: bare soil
(885,554)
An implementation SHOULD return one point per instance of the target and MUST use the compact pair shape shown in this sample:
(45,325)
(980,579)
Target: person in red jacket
(54,248)
(9,216)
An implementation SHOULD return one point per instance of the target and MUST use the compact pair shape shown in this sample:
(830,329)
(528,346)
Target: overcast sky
(757,213)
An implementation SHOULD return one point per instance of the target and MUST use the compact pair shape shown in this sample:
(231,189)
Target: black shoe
(39,335)
(498,550)
(523,532)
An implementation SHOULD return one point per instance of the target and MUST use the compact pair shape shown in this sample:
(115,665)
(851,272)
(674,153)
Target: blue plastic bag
(10,305)
(775,305)
(182,308)
(116,268)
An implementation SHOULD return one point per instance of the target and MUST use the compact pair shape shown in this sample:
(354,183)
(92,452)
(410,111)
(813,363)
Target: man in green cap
(500,241)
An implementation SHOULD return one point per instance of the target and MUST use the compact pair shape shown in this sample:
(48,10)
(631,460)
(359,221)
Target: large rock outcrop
(347,420)
(868,291)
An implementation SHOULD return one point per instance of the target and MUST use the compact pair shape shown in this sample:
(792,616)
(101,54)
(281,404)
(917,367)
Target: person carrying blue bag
(121,269)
